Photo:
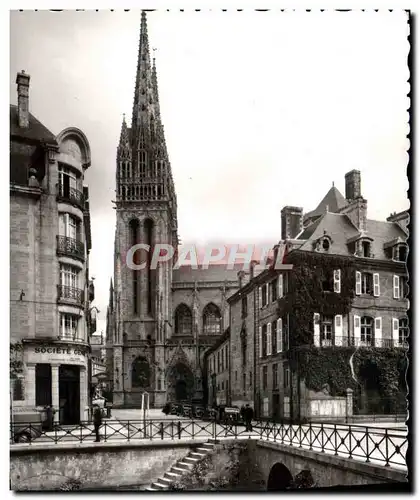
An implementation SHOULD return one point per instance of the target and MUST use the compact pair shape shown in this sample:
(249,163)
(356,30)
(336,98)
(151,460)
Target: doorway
(181,390)
(69,394)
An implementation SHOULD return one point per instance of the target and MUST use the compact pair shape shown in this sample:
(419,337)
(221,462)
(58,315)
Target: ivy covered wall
(331,365)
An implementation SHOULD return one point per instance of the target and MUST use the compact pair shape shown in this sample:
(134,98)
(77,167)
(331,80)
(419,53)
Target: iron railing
(383,446)
(70,195)
(70,294)
(70,247)
(342,341)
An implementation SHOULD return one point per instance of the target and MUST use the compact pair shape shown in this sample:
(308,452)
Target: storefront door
(69,394)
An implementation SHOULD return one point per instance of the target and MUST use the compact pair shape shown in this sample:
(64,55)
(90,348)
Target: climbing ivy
(305,294)
(330,365)
(16,363)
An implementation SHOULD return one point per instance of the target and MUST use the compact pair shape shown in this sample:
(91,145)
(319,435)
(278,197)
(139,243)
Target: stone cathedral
(159,322)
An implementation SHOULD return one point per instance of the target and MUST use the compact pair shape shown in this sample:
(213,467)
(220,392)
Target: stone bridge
(280,465)
(137,464)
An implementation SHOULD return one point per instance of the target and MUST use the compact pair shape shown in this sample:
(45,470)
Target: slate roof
(341,229)
(217,272)
(36,131)
(26,147)
(383,232)
(337,226)
(334,200)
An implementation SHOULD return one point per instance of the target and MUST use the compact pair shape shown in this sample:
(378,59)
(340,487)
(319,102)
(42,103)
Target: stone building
(50,240)
(217,371)
(268,330)
(159,321)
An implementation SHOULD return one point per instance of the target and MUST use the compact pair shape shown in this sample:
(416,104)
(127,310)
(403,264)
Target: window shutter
(338,330)
(260,297)
(396,287)
(378,332)
(279,335)
(268,288)
(316,329)
(337,280)
(280,286)
(356,320)
(260,339)
(395,332)
(376,289)
(358,283)
(62,225)
(269,339)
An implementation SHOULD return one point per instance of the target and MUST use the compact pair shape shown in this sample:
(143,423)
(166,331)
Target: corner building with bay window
(50,291)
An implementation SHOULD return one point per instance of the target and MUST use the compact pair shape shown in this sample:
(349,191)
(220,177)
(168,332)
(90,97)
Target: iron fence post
(128,430)
(179,429)
(322,438)
(161,430)
(335,439)
(386,449)
(350,455)
(367,444)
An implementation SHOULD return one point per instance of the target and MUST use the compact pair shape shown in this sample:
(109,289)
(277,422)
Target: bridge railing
(371,444)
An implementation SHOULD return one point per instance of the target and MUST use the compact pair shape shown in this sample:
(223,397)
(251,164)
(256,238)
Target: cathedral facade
(160,321)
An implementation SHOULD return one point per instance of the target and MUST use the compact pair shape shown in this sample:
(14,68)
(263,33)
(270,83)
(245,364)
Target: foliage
(305,294)
(303,480)
(229,469)
(71,485)
(16,363)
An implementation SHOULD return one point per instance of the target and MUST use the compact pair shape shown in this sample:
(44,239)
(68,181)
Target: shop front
(56,375)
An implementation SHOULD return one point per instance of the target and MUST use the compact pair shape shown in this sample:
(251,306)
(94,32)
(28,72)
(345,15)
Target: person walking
(97,422)
(249,415)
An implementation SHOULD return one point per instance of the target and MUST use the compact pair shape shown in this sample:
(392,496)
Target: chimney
(22,80)
(353,185)
(291,222)
(243,278)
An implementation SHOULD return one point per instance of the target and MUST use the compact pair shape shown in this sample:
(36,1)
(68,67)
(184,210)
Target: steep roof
(214,273)
(383,232)
(36,131)
(333,201)
(337,226)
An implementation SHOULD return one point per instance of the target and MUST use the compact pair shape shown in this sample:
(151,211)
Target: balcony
(70,247)
(70,295)
(70,195)
(337,341)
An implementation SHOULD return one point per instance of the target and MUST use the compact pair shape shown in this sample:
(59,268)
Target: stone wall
(103,465)
(326,470)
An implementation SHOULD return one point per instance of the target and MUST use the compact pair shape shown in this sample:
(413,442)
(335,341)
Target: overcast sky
(261,110)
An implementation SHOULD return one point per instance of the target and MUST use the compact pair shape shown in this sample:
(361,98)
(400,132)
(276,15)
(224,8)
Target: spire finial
(333,183)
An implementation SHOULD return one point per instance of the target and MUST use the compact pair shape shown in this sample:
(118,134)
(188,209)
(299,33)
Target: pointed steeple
(143,92)
(124,150)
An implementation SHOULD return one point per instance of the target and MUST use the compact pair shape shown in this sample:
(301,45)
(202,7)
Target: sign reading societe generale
(57,354)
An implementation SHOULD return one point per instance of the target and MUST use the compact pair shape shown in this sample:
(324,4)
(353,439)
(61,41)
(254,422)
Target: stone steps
(181,468)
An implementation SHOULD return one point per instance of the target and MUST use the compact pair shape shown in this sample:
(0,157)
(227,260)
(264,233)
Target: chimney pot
(22,81)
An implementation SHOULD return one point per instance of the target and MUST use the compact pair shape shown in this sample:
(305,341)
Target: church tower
(146,210)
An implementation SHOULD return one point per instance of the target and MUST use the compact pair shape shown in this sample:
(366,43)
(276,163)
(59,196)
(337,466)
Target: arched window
(140,373)
(183,320)
(212,320)
(402,330)
(366,330)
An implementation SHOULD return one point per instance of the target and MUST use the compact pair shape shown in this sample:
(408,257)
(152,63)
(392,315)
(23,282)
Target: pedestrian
(249,415)
(97,422)
(242,413)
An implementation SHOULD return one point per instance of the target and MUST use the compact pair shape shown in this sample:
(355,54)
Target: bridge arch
(280,478)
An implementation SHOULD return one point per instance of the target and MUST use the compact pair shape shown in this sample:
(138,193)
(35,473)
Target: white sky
(261,110)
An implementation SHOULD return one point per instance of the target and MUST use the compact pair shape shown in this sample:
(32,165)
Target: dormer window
(401,253)
(366,249)
(322,244)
